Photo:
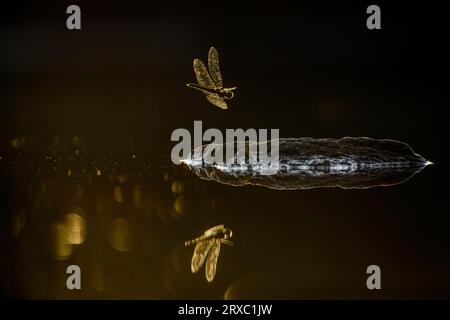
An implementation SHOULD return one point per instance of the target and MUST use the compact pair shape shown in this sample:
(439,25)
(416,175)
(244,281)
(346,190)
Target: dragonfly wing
(214,68)
(211,261)
(216,100)
(200,253)
(203,77)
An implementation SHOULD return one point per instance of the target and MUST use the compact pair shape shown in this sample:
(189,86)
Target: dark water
(85,123)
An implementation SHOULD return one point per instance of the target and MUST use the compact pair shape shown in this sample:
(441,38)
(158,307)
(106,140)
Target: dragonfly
(210,82)
(208,249)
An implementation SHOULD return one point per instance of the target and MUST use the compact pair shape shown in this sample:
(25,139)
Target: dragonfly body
(208,248)
(210,80)
(225,93)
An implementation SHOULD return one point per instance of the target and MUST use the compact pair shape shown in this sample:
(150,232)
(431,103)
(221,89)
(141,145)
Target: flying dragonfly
(208,248)
(210,83)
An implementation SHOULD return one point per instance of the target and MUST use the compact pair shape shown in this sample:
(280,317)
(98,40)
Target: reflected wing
(200,253)
(214,69)
(211,261)
(216,100)
(203,77)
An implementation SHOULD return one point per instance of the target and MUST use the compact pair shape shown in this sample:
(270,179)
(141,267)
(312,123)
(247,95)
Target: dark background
(307,69)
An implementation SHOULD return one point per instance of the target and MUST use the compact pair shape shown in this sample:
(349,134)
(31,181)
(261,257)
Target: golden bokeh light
(17,142)
(177,187)
(163,212)
(18,220)
(122,178)
(137,196)
(120,235)
(75,228)
(180,205)
(118,194)
(168,276)
(233,292)
(79,191)
(15,225)
(59,247)
(166,176)
(180,259)
(97,279)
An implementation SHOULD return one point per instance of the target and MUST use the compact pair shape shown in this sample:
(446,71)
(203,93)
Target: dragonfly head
(227,233)
(228,92)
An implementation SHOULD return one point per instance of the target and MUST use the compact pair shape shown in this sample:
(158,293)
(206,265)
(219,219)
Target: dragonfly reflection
(210,83)
(208,248)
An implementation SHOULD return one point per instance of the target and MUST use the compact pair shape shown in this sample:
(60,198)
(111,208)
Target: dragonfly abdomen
(202,89)
(196,240)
